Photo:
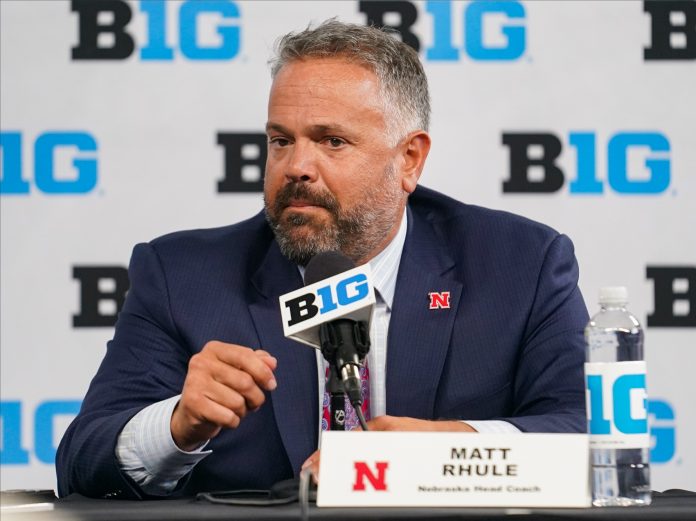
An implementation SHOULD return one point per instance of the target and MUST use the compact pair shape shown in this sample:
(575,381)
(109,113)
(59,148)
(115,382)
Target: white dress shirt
(147,452)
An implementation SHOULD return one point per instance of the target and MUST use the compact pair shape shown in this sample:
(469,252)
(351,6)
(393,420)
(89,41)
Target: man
(199,390)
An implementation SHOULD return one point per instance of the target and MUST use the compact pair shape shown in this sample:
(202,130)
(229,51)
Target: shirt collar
(385,265)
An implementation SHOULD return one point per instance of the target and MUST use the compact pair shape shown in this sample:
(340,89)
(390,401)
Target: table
(669,505)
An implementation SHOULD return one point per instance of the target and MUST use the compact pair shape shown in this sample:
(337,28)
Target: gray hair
(402,81)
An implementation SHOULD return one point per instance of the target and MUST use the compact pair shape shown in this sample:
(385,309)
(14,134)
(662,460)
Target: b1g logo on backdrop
(106,30)
(492,30)
(244,161)
(672,30)
(638,163)
(663,443)
(64,163)
(46,418)
(103,292)
(674,296)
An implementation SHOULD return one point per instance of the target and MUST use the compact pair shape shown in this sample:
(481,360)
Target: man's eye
(335,142)
(279,141)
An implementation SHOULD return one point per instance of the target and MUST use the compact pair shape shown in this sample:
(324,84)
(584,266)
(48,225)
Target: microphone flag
(349,294)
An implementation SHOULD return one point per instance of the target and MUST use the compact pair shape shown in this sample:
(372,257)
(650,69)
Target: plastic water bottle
(617,404)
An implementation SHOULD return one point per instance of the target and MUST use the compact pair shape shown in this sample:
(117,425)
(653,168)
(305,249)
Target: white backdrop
(572,70)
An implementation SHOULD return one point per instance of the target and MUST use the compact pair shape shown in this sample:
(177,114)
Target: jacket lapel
(295,400)
(419,337)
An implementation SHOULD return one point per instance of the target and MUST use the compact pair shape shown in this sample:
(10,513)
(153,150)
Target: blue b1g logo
(48,178)
(662,431)
(513,32)
(13,450)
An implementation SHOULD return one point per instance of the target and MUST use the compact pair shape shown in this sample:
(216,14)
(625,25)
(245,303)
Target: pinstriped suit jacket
(509,347)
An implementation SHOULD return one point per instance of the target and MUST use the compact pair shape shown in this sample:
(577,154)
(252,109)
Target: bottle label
(617,405)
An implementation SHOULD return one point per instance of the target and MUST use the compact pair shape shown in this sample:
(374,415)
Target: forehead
(325,82)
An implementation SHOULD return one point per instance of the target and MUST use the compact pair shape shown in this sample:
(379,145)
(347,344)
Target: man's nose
(302,163)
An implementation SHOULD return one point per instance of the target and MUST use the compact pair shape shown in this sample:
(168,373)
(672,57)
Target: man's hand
(396,423)
(224,382)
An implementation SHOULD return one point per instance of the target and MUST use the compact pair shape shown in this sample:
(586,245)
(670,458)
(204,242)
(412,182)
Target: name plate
(423,469)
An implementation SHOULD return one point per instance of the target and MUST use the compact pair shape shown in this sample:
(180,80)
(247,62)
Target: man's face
(332,180)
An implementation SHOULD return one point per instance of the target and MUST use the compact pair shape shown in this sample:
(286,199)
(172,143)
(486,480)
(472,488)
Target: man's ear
(415,150)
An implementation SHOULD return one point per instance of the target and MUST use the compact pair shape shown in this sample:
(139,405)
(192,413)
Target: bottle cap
(613,295)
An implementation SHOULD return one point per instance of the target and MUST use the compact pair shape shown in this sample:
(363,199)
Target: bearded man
(199,389)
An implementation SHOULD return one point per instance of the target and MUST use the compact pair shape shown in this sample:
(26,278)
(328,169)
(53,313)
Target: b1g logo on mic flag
(348,293)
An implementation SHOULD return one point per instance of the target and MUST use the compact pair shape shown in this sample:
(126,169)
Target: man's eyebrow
(277,127)
(327,129)
(312,129)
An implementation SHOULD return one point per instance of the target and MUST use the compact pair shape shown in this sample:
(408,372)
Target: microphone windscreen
(325,265)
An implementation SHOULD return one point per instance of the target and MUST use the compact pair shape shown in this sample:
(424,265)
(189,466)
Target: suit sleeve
(549,385)
(146,362)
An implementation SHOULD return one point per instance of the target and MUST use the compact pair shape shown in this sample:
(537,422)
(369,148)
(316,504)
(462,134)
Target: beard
(356,231)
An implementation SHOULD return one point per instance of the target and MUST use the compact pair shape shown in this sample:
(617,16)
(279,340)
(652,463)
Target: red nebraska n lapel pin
(439,299)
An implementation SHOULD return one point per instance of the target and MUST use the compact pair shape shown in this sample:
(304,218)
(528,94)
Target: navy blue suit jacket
(510,346)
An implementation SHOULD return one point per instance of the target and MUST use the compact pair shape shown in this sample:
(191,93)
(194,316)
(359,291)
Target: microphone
(343,341)
(332,313)
(325,265)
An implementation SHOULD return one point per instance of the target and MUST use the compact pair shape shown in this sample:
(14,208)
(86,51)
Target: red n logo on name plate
(439,299)
(362,471)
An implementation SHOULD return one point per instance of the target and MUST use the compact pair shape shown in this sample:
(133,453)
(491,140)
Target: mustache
(301,191)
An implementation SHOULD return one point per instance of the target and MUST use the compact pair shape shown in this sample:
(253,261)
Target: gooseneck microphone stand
(337,405)
(344,343)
